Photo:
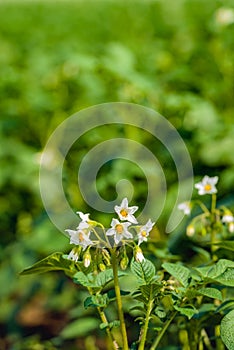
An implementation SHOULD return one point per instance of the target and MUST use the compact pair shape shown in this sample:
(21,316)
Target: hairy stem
(147,318)
(119,300)
(112,341)
(161,334)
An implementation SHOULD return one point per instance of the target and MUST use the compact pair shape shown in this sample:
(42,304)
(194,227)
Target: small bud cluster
(123,231)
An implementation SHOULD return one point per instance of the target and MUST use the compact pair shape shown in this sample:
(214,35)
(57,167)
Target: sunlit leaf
(211,293)
(144,271)
(180,272)
(53,262)
(186,311)
(226,328)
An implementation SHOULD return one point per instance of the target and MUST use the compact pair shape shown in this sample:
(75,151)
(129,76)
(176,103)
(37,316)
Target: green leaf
(113,324)
(211,293)
(227,304)
(160,312)
(219,268)
(229,245)
(96,300)
(150,291)
(80,327)
(202,271)
(181,273)
(104,277)
(104,325)
(226,328)
(227,278)
(144,271)
(85,280)
(53,262)
(111,293)
(187,311)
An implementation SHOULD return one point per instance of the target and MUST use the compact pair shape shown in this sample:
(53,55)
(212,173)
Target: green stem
(147,318)
(161,334)
(112,341)
(203,207)
(119,300)
(213,232)
(213,203)
(103,318)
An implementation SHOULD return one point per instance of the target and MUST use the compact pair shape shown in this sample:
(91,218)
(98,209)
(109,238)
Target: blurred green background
(57,58)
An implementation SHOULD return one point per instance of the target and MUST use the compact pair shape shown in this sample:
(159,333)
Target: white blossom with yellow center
(119,230)
(144,231)
(207,185)
(125,212)
(81,235)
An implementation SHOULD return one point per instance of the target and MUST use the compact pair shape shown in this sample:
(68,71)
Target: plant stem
(213,232)
(147,318)
(161,334)
(213,203)
(119,300)
(112,341)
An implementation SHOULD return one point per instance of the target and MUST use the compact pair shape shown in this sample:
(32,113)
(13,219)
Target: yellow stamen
(124,213)
(119,228)
(81,237)
(143,233)
(207,187)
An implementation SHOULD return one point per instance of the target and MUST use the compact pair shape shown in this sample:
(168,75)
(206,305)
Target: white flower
(73,255)
(119,230)
(144,231)
(84,217)
(207,185)
(139,255)
(225,16)
(185,207)
(80,236)
(228,218)
(125,212)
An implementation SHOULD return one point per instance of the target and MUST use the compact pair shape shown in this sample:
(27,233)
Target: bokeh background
(57,58)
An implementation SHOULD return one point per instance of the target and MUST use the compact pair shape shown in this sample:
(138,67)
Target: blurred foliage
(56,59)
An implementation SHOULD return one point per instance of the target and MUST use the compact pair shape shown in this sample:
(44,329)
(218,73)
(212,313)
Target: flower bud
(124,262)
(139,257)
(102,267)
(87,259)
(74,254)
(190,230)
(106,257)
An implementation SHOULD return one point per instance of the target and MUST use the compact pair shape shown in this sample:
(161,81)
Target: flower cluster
(123,231)
(209,218)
